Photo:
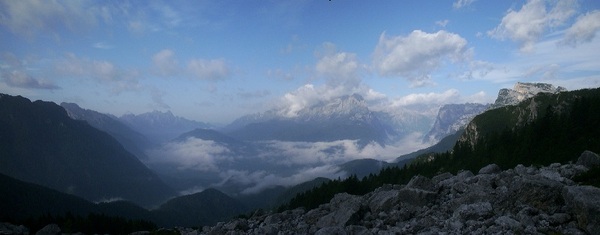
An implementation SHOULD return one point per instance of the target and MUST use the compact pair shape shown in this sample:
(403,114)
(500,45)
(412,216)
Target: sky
(214,61)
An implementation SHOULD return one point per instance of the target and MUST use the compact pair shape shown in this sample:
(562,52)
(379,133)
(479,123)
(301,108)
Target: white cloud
(341,64)
(256,181)
(16,78)
(528,24)
(584,29)
(165,63)
(442,23)
(462,3)
(289,153)
(192,153)
(14,73)
(448,96)
(417,55)
(202,69)
(102,45)
(104,72)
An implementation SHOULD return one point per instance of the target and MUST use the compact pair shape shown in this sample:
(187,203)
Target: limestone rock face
(522,200)
(522,91)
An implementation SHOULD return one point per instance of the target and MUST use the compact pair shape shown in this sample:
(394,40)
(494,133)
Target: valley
(206,175)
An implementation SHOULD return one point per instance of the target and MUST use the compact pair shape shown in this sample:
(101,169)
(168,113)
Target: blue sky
(215,61)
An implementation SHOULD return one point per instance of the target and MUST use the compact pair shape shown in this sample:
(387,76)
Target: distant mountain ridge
(341,118)
(40,143)
(161,126)
(132,140)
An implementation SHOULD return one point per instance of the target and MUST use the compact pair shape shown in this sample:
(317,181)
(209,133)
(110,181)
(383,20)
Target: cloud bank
(415,56)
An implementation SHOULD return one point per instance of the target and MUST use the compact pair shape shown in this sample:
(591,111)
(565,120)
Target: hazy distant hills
(132,140)
(22,201)
(40,143)
(161,126)
(207,207)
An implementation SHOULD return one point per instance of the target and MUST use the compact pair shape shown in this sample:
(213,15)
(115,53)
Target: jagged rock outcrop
(451,118)
(522,91)
(526,200)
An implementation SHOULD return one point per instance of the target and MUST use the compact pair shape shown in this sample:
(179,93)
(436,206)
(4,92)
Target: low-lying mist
(192,165)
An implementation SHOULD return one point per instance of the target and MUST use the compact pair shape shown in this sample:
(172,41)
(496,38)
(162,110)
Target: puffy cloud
(301,98)
(340,69)
(584,29)
(462,3)
(532,20)
(341,64)
(448,96)
(14,73)
(417,55)
(165,63)
(21,79)
(202,69)
(104,72)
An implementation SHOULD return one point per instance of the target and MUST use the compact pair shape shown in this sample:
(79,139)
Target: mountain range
(345,117)
(133,141)
(451,118)
(40,143)
(161,126)
(97,156)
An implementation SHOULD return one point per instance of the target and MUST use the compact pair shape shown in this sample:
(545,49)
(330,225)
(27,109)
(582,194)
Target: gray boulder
(475,211)
(588,159)
(51,229)
(383,200)
(337,230)
(490,169)
(584,202)
(345,211)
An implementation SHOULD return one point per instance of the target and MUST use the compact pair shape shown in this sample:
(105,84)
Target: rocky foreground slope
(522,200)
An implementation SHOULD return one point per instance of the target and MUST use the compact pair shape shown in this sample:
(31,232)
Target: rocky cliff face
(451,118)
(522,91)
(520,200)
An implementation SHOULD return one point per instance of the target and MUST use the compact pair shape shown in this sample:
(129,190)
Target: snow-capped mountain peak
(350,106)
